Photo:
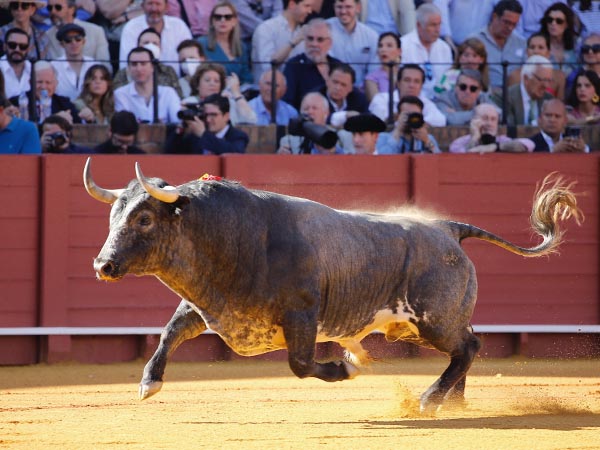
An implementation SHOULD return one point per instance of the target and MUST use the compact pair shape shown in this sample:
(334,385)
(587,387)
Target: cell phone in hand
(572,132)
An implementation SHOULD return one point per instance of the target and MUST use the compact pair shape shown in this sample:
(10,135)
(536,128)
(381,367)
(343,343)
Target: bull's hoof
(429,407)
(149,388)
(351,370)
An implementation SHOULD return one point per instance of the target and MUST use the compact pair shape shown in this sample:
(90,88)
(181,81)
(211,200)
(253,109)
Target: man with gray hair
(423,46)
(457,105)
(524,100)
(262,104)
(308,71)
(62,12)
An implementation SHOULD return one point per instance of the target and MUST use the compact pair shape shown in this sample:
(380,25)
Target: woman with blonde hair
(96,103)
(471,54)
(223,43)
(210,78)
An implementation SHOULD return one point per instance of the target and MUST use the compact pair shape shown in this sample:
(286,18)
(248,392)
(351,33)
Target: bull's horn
(168,194)
(103,195)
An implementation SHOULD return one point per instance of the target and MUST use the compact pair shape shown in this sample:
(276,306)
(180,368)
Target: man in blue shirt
(17,136)
(263,103)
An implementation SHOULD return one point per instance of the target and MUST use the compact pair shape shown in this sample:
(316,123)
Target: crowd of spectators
(204,67)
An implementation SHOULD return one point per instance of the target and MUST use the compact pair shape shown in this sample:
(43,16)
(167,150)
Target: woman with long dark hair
(388,52)
(584,100)
(558,24)
(96,102)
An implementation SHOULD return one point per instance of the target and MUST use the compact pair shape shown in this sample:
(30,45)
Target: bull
(267,271)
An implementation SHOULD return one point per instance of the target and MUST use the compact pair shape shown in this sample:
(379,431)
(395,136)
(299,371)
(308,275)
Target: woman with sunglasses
(589,54)
(96,103)
(223,44)
(388,52)
(558,24)
(210,78)
(583,104)
(471,54)
(21,12)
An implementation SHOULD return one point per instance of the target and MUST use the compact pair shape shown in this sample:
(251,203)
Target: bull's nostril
(107,269)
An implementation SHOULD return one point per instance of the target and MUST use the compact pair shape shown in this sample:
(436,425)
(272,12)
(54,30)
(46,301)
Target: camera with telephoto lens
(319,134)
(414,121)
(192,110)
(57,139)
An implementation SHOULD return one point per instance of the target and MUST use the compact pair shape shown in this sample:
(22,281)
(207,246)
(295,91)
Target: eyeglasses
(464,87)
(542,80)
(590,48)
(138,63)
(219,17)
(68,40)
(16,5)
(318,39)
(508,23)
(558,20)
(58,8)
(14,45)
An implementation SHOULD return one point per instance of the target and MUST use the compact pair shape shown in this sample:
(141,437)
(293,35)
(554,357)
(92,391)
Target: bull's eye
(145,220)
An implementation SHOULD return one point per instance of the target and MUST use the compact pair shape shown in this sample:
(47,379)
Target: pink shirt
(198,13)
(459,145)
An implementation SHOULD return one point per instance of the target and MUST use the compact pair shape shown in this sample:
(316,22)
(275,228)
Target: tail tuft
(553,202)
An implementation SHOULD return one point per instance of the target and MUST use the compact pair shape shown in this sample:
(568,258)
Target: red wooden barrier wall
(491,191)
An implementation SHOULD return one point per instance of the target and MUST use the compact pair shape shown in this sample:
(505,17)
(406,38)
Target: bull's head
(140,227)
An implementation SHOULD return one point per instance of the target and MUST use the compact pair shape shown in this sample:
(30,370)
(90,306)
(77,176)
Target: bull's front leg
(300,331)
(185,324)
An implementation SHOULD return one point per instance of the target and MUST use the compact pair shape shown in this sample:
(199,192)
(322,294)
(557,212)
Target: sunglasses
(16,5)
(319,39)
(464,87)
(58,8)
(219,17)
(558,20)
(68,40)
(590,48)
(14,45)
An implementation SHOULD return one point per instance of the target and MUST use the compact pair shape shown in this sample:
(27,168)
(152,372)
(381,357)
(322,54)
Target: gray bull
(267,271)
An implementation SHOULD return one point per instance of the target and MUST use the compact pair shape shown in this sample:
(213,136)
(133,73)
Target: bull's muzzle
(107,270)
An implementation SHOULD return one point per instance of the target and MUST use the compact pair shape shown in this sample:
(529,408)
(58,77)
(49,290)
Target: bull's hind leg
(300,331)
(453,377)
(185,324)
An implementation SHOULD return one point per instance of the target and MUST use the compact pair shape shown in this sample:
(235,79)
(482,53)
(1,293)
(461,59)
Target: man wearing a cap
(16,135)
(73,64)
(122,134)
(458,104)
(62,12)
(365,129)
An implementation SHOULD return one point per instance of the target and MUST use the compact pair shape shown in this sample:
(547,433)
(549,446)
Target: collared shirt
(550,142)
(70,83)
(250,19)
(20,136)
(380,17)
(174,31)
(128,99)
(462,18)
(432,115)
(528,104)
(387,145)
(284,112)
(459,145)
(266,40)
(513,52)
(357,48)
(13,85)
(434,62)
(197,11)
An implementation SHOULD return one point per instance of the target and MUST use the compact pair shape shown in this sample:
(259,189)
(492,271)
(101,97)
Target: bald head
(265,84)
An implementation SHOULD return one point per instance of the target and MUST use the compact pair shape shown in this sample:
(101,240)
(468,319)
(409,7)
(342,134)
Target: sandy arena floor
(512,404)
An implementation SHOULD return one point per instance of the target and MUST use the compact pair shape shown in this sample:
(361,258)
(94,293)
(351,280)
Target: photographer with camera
(206,130)
(410,134)
(554,135)
(309,134)
(483,136)
(56,136)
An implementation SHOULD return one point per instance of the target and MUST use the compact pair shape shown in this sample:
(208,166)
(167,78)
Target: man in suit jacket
(552,137)
(341,94)
(210,134)
(525,99)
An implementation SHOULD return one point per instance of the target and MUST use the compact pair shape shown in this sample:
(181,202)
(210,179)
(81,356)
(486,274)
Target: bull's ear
(181,203)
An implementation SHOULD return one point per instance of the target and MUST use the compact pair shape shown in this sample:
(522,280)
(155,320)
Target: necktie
(531,116)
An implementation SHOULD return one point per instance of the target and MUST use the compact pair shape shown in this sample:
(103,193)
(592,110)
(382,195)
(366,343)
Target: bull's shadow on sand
(559,421)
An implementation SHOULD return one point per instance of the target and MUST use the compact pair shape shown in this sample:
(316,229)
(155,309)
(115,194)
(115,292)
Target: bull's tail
(553,201)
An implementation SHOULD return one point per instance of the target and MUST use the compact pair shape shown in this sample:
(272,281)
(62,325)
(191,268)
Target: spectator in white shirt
(138,97)
(172,31)
(72,66)
(423,46)
(14,65)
